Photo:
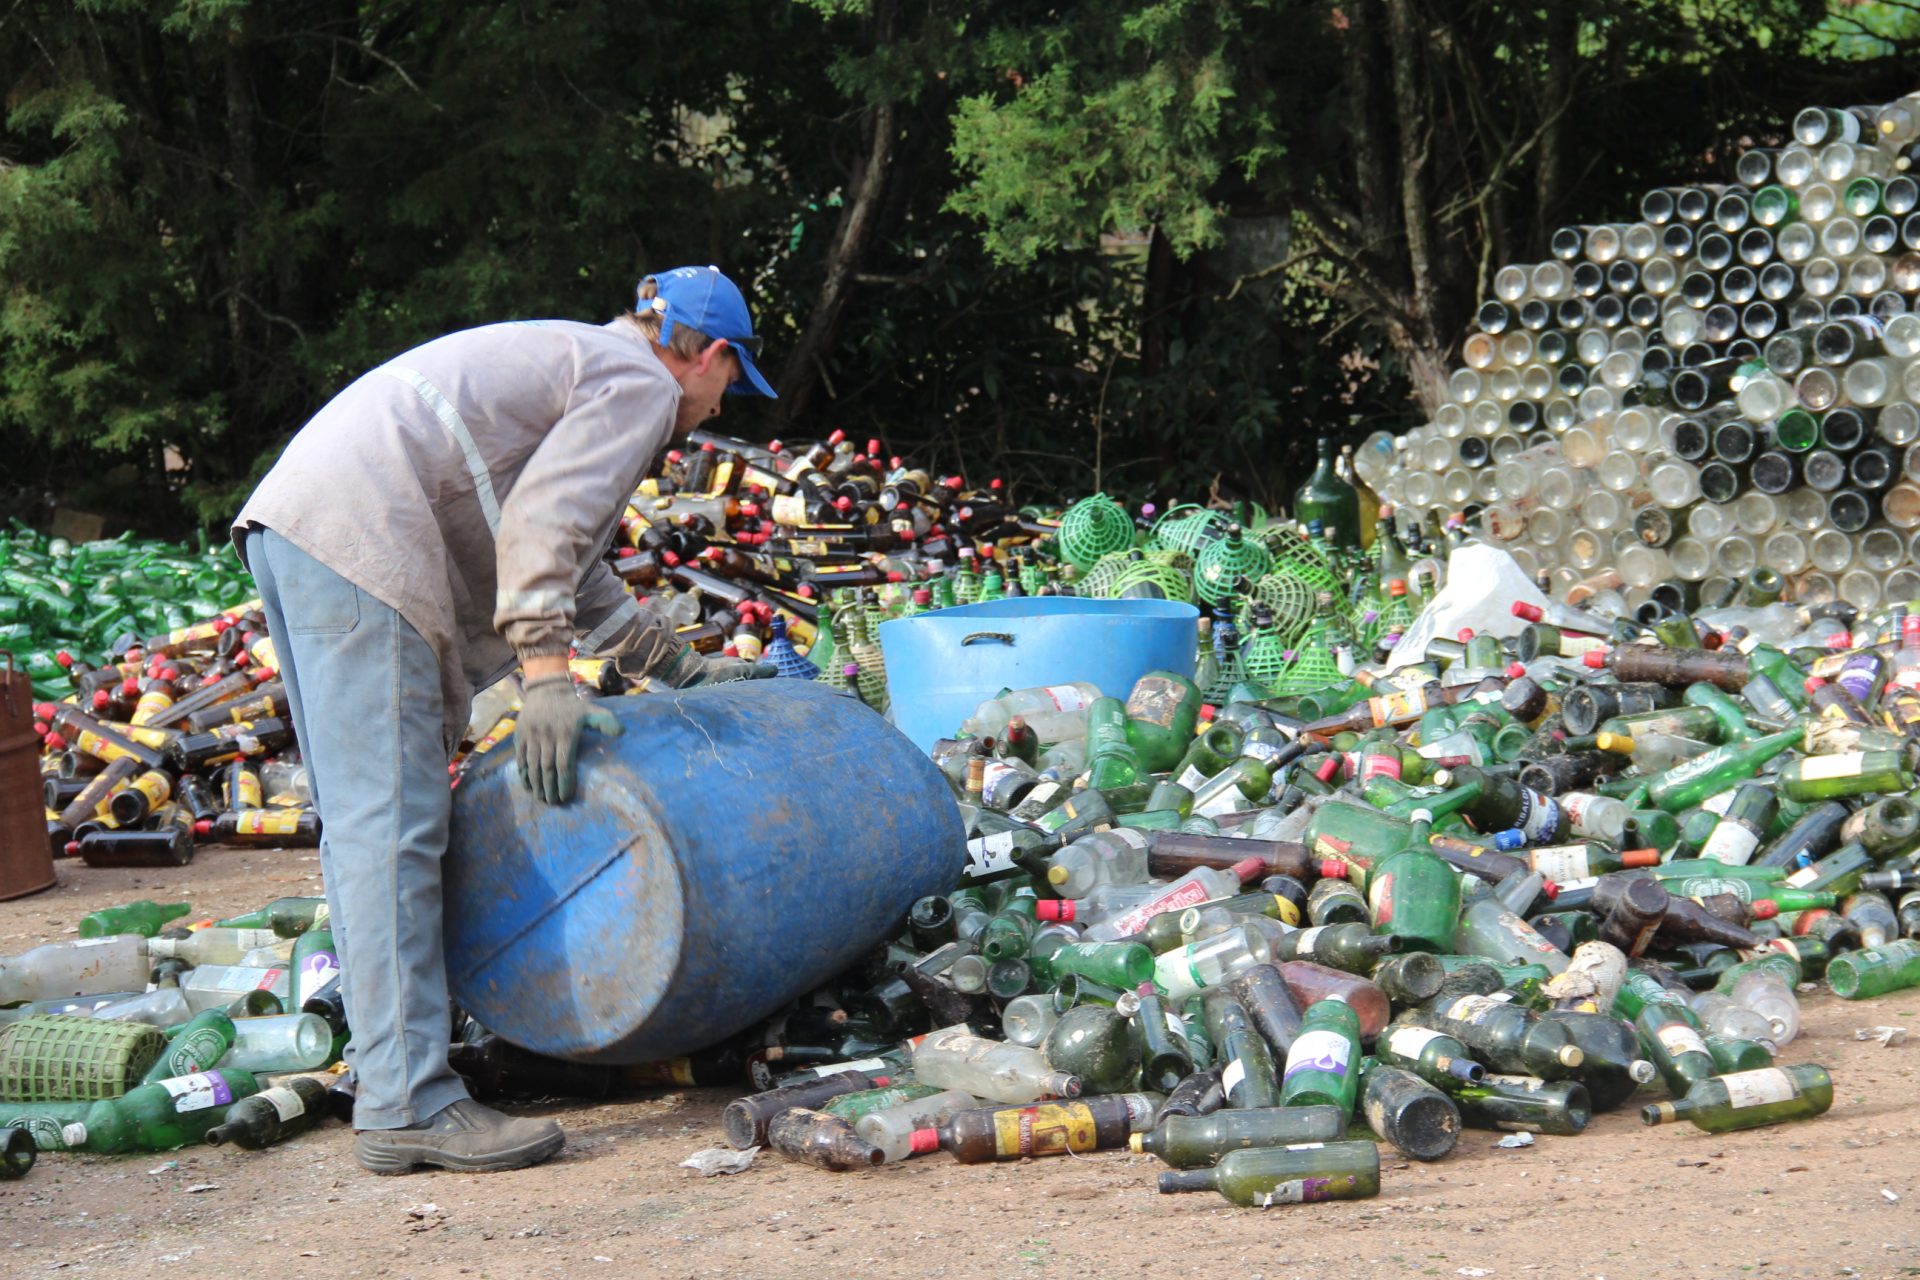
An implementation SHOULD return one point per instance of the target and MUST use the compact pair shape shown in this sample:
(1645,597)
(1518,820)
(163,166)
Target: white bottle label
(94,942)
(1679,1038)
(1410,1042)
(1474,1009)
(1319,1051)
(990,855)
(1304,940)
(1233,1077)
(1732,843)
(1803,877)
(1067,698)
(1294,1192)
(1191,778)
(1818,768)
(286,1103)
(1758,1088)
(1225,800)
(1561,863)
(198,1091)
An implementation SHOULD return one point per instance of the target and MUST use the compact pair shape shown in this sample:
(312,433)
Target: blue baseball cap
(703,299)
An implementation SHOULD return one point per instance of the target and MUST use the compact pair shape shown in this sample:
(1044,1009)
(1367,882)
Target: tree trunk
(805,365)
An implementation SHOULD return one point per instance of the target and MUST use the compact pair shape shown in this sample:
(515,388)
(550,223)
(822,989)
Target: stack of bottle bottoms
(1729,382)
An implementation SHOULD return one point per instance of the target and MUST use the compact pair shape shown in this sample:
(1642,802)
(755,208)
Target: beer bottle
(274,828)
(1861,975)
(195,1045)
(1686,784)
(144,917)
(168,846)
(1851,773)
(287,917)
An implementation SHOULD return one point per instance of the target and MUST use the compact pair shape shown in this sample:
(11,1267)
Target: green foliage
(1135,245)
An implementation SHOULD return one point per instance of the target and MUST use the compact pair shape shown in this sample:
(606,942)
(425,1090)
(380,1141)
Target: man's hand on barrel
(687,670)
(546,740)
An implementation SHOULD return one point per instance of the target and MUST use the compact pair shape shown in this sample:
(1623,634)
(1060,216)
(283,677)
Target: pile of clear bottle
(1726,383)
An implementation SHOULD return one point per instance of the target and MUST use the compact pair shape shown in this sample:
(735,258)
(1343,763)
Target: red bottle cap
(1814,682)
(1248,868)
(994,483)
(922,1141)
(674,455)
(56,742)
(100,699)
(1764,909)
(1531,612)
(843,503)
(204,827)
(73,849)
(1463,635)
(1549,890)
(873,448)
(1333,869)
(1595,658)
(64,658)
(774,446)
(894,462)
(894,575)
(1639,857)
(45,710)
(1053,909)
(707,447)
(130,685)
(837,436)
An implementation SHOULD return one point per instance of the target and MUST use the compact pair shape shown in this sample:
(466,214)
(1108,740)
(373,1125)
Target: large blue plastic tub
(738,846)
(940,666)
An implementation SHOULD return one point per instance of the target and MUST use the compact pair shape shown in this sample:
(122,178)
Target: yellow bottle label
(267,822)
(151,704)
(248,785)
(1047,1129)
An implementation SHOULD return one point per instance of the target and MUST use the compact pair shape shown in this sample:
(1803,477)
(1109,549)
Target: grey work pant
(364,689)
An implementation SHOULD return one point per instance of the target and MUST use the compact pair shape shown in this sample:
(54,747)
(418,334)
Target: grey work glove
(687,669)
(546,740)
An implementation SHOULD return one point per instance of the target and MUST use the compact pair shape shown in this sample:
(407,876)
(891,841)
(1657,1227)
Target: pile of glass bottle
(1728,383)
(1512,887)
(58,596)
(187,1031)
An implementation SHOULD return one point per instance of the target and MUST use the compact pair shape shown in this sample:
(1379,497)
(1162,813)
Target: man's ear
(714,350)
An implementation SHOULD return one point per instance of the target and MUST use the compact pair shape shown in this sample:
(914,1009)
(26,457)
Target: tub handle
(1003,637)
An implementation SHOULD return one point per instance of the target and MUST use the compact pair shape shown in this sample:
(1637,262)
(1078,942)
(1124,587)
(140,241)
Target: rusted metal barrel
(26,860)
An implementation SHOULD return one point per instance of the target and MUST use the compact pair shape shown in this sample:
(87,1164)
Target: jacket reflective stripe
(456,427)
(622,613)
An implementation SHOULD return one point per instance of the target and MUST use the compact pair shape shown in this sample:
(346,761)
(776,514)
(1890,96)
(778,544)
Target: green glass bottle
(195,1045)
(1731,1054)
(1686,784)
(1300,1174)
(1525,1103)
(1161,714)
(1323,1066)
(160,1116)
(1405,1110)
(287,917)
(1861,975)
(1432,1055)
(1673,1043)
(144,917)
(1330,500)
(1242,785)
(1748,1099)
(1195,1142)
(1353,947)
(1503,1035)
(1851,773)
(1118,964)
(1414,895)
(1111,759)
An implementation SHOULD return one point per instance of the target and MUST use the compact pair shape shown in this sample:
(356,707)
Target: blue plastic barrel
(738,846)
(942,665)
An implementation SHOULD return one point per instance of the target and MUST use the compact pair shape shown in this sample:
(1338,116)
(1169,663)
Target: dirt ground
(1837,1196)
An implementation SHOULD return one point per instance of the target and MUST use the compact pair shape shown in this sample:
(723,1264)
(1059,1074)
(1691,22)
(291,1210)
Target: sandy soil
(1837,1196)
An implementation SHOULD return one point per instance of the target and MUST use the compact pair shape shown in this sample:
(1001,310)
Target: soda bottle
(196,1045)
(1019,1132)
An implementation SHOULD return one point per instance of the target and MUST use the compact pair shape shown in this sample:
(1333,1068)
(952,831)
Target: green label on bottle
(196,1050)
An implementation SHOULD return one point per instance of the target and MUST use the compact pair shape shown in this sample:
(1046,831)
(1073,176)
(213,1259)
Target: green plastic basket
(1296,555)
(1187,528)
(1093,527)
(60,1058)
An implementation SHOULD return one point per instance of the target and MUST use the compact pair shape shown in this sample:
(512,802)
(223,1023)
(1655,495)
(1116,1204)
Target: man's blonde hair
(684,342)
